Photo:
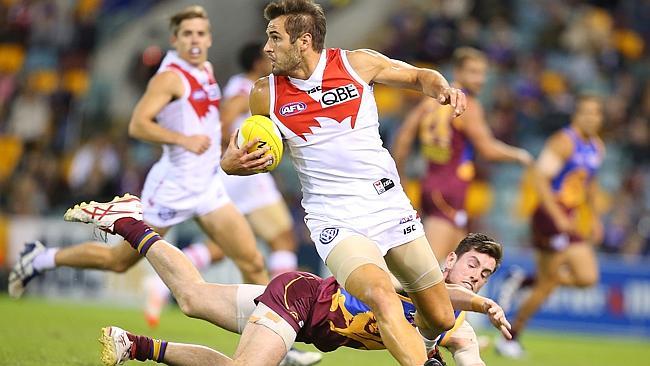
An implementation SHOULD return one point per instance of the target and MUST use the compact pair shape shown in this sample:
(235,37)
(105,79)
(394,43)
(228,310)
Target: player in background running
(448,143)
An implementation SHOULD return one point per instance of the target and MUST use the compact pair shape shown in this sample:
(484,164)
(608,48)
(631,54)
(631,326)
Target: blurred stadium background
(71,71)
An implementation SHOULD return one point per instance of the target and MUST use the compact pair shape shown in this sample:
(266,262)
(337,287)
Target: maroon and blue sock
(137,233)
(145,348)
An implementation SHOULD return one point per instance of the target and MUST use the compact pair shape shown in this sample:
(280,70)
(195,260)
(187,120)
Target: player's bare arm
(374,67)
(237,160)
(466,300)
(551,160)
(464,347)
(407,134)
(477,130)
(229,110)
(161,90)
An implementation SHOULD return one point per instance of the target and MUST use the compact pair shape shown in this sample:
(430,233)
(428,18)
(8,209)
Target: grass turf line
(40,332)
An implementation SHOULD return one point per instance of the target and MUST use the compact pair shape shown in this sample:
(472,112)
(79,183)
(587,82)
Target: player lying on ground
(295,306)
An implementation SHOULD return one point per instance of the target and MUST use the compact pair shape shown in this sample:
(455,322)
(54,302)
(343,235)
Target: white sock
(429,344)
(282,261)
(45,260)
(199,255)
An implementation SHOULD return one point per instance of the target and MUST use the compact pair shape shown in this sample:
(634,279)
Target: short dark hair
(191,12)
(482,244)
(303,16)
(249,54)
(462,54)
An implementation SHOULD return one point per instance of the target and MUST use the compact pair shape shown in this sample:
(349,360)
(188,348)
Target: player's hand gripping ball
(262,127)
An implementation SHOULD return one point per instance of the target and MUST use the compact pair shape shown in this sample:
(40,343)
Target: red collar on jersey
(341,98)
(198,97)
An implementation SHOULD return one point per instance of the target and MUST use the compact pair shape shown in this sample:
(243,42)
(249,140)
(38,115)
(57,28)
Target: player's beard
(285,65)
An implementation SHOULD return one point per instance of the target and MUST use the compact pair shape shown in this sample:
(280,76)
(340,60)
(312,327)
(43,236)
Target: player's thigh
(414,265)
(259,345)
(227,227)
(443,235)
(351,253)
(582,261)
(549,264)
(270,221)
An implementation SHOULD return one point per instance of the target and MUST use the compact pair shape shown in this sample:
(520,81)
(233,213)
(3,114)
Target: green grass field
(36,332)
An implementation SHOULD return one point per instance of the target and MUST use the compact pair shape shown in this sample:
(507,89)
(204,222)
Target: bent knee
(116,265)
(380,298)
(187,301)
(251,264)
(443,320)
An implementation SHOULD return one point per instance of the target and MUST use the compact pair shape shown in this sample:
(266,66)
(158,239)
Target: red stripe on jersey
(199,98)
(341,98)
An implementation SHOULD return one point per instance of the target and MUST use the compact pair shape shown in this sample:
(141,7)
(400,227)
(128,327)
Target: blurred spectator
(94,169)
(29,118)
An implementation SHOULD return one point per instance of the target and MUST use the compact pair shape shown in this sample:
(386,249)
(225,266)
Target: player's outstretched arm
(464,299)
(161,90)
(237,160)
(477,130)
(374,67)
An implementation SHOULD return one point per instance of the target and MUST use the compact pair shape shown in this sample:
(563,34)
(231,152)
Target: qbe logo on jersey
(339,95)
(383,185)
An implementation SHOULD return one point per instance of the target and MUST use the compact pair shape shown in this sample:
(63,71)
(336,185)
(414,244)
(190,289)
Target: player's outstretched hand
(197,144)
(238,161)
(497,317)
(455,98)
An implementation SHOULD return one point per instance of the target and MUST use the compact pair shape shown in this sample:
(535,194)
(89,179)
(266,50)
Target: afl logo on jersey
(292,108)
(339,95)
(327,235)
(199,95)
(213,91)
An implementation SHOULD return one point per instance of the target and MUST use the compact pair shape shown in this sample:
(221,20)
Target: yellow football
(262,127)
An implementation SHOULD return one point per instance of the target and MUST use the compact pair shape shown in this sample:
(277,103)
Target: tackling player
(295,306)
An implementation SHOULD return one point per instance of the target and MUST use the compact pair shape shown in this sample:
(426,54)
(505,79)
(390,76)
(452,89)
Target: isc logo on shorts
(327,235)
(339,95)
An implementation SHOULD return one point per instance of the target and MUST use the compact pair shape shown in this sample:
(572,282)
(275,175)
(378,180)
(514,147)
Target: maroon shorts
(446,201)
(292,296)
(545,234)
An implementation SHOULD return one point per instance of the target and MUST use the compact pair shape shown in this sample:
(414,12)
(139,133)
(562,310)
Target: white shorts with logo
(166,203)
(389,228)
(251,192)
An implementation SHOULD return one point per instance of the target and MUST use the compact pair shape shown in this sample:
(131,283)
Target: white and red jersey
(195,112)
(238,85)
(331,127)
